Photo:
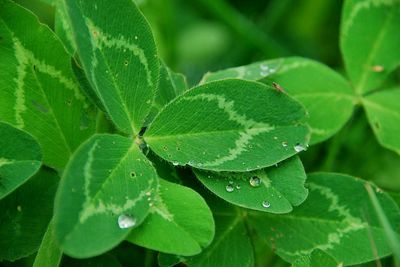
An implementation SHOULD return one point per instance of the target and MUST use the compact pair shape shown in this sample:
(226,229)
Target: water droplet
(229,188)
(264,73)
(238,186)
(264,67)
(165,148)
(175,163)
(266,204)
(230,182)
(126,62)
(126,221)
(284,144)
(136,37)
(133,174)
(255,181)
(298,147)
(275,137)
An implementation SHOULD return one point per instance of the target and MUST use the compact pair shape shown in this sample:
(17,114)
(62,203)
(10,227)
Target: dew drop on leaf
(126,221)
(255,181)
(266,204)
(175,163)
(298,148)
(229,188)
(284,144)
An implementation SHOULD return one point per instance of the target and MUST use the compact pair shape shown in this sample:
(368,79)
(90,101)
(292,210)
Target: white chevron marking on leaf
(251,127)
(349,222)
(19,80)
(102,39)
(4,161)
(359,6)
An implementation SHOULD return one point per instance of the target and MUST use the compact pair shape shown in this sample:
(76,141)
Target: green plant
(91,117)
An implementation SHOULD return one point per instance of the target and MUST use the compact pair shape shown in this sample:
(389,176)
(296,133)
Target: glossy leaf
(20,158)
(25,214)
(325,94)
(229,125)
(337,218)
(370,41)
(383,112)
(38,91)
(108,177)
(168,228)
(274,189)
(117,51)
(49,253)
(317,258)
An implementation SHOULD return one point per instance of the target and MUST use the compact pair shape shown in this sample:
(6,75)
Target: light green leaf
(383,112)
(38,92)
(62,27)
(49,253)
(229,125)
(325,94)
(25,214)
(117,51)
(105,182)
(170,86)
(180,222)
(20,158)
(337,218)
(274,189)
(370,41)
(317,258)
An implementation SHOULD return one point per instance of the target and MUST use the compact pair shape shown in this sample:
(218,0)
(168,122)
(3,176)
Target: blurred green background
(197,36)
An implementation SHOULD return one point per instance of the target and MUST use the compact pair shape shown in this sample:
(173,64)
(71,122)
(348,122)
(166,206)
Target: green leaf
(117,51)
(180,222)
(370,41)
(105,260)
(229,125)
(170,86)
(62,27)
(275,189)
(49,253)
(231,245)
(317,258)
(38,92)
(20,158)
(337,218)
(383,112)
(25,214)
(105,182)
(325,94)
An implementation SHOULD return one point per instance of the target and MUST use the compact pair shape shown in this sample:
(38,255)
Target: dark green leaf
(106,181)
(337,217)
(38,92)
(275,189)
(370,41)
(229,125)
(317,258)
(180,222)
(20,158)
(25,214)
(119,56)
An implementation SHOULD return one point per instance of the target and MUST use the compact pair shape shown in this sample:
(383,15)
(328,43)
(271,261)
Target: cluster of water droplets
(266,70)
(254,181)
